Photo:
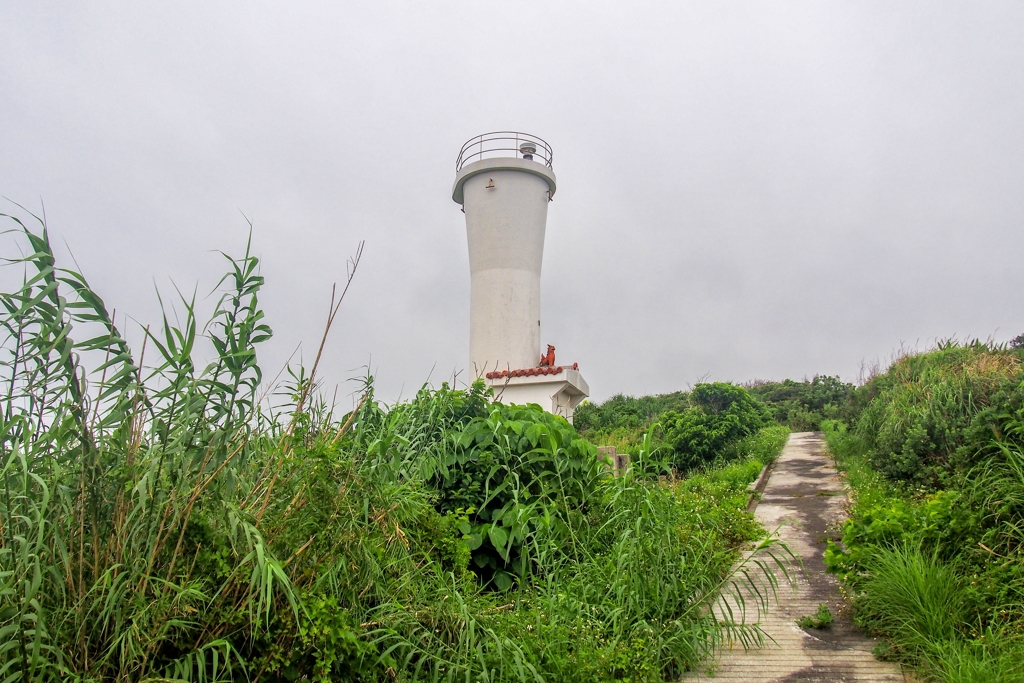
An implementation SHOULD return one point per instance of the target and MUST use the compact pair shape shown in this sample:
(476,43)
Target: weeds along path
(804,500)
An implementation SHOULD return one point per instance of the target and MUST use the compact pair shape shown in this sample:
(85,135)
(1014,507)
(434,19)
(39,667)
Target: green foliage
(627,412)
(802,406)
(721,416)
(912,597)
(508,470)
(161,522)
(822,618)
(926,609)
(937,521)
(622,421)
(766,444)
(931,415)
(329,646)
(975,661)
(638,426)
(940,573)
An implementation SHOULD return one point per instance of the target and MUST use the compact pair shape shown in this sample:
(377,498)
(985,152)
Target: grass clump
(162,520)
(822,618)
(913,597)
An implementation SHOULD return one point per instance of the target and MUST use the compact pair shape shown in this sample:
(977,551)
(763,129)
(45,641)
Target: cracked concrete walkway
(804,499)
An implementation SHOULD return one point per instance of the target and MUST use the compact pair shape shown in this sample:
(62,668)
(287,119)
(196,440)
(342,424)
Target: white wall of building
(558,394)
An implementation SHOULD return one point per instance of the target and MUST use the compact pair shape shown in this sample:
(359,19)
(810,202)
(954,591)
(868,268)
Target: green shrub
(802,406)
(620,590)
(933,413)
(723,414)
(623,421)
(938,573)
(938,522)
(766,444)
(626,412)
(506,472)
(993,556)
(913,598)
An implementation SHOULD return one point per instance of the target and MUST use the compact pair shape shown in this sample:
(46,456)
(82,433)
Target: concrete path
(804,500)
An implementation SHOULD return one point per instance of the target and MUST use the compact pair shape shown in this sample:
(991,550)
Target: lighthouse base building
(556,389)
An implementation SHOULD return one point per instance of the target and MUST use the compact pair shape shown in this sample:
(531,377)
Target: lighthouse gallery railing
(505,143)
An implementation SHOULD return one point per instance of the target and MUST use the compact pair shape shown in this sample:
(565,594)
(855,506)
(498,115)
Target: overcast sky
(746,190)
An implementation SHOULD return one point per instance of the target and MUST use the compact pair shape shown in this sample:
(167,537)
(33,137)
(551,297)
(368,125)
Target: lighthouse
(504,182)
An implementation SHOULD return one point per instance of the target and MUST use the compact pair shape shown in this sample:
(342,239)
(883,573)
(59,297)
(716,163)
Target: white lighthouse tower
(504,182)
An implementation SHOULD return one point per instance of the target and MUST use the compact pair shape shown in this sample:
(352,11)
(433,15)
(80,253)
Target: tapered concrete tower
(504,182)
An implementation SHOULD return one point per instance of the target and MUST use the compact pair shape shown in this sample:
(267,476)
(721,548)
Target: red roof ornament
(539,371)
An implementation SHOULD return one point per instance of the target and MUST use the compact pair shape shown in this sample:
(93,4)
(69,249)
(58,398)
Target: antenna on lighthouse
(504,181)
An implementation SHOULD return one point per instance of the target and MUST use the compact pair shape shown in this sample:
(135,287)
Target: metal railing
(505,143)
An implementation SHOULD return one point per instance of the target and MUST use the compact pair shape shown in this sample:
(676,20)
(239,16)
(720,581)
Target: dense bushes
(933,551)
(688,430)
(933,415)
(627,412)
(690,427)
(508,469)
(161,523)
(802,406)
(622,421)
(720,416)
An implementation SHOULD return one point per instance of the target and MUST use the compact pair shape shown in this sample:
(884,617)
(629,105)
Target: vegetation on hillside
(622,421)
(160,520)
(803,406)
(180,520)
(690,430)
(933,552)
(700,427)
(720,416)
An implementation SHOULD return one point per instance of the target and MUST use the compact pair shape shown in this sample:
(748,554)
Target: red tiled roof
(531,372)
